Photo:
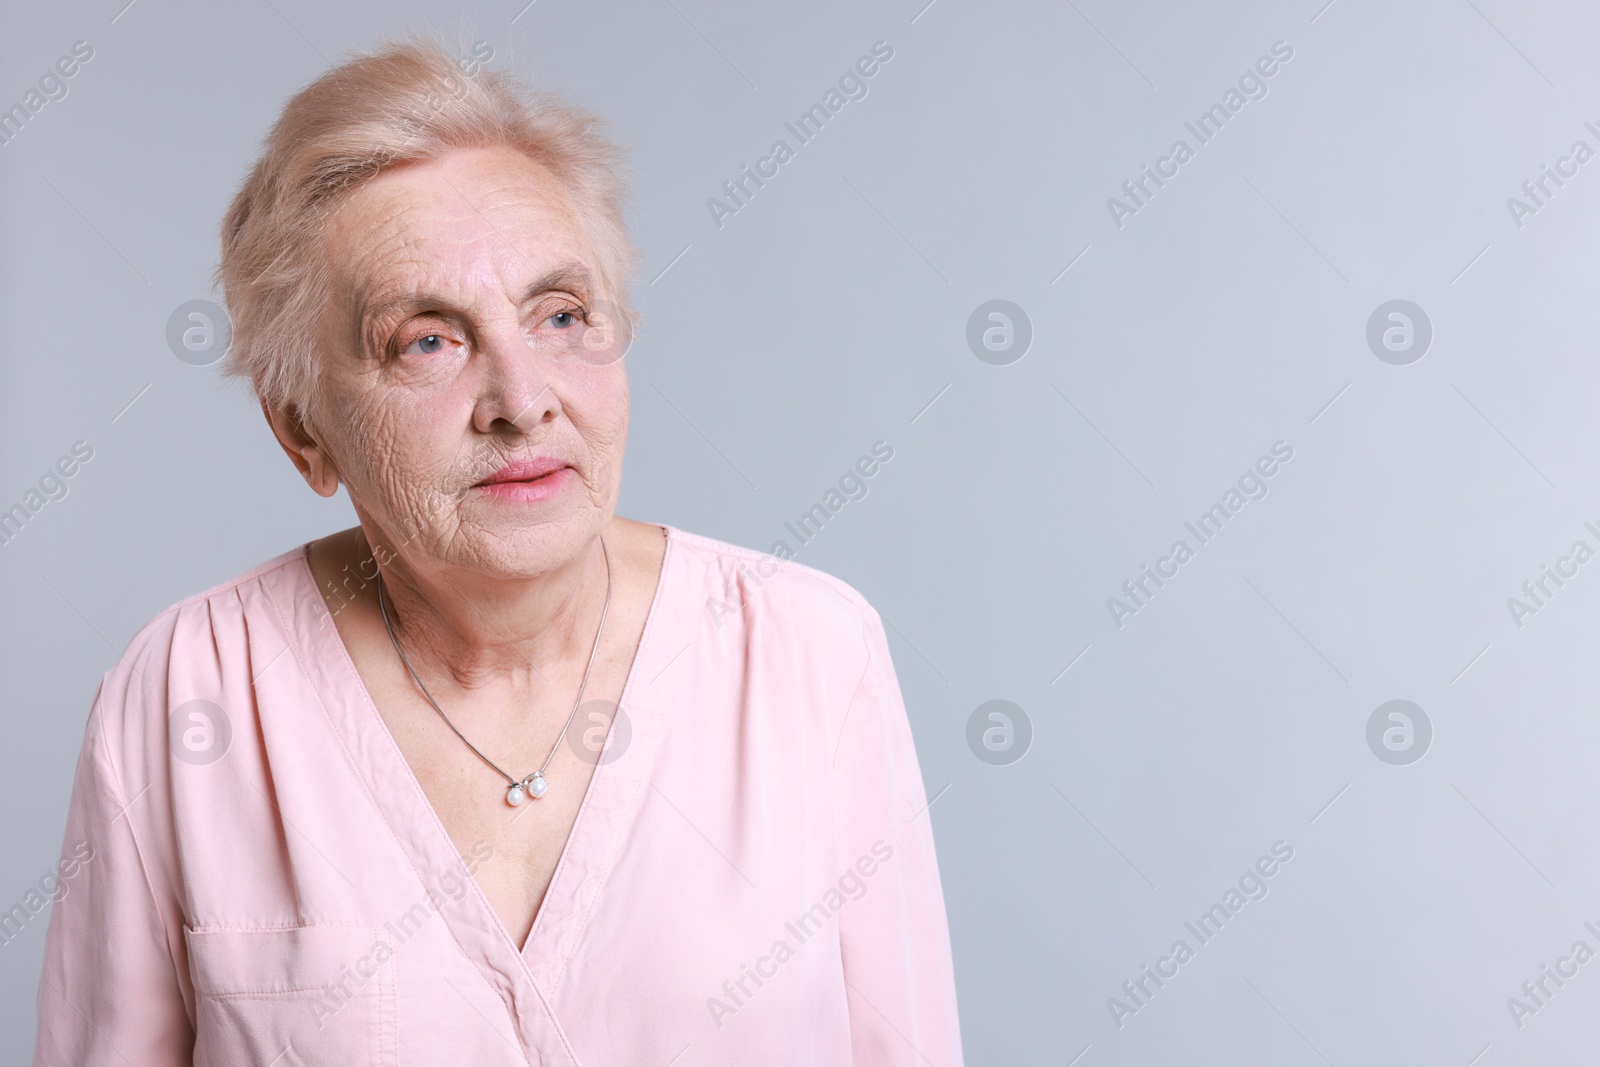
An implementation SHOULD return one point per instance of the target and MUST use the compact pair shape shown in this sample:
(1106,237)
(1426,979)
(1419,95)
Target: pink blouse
(256,877)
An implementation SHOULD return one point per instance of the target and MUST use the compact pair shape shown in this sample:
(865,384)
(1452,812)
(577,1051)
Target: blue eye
(427,345)
(564,320)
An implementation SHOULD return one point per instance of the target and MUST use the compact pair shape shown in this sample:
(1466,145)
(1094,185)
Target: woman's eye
(564,320)
(426,345)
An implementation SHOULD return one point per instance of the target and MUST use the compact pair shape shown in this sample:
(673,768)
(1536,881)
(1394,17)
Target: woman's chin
(520,542)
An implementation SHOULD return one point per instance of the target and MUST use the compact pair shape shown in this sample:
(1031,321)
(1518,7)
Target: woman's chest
(702,879)
(467,756)
(523,843)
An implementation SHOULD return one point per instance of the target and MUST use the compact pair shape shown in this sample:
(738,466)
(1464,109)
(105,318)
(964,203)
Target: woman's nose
(514,384)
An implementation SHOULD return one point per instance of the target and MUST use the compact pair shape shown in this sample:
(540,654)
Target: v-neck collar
(563,869)
(528,978)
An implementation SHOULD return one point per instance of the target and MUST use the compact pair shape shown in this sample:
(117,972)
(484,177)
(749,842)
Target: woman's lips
(525,483)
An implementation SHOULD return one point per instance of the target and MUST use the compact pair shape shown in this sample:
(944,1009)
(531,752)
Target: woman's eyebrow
(571,277)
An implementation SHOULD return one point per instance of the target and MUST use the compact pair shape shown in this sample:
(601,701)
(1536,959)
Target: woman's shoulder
(224,594)
(207,626)
(741,585)
(192,660)
(813,634)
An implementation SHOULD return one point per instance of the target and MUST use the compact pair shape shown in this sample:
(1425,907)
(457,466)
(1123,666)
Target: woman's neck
(476,629)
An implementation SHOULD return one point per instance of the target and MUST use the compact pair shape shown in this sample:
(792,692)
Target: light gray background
(828,314)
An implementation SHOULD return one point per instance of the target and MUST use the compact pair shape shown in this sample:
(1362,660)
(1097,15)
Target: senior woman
(496,776)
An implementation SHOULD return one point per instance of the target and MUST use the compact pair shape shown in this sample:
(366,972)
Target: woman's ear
(314,465)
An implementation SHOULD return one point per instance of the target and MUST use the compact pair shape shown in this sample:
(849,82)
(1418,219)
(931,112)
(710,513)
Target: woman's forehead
(469,218)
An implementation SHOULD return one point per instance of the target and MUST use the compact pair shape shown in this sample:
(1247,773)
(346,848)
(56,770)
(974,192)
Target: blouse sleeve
(894,939)
(109,995)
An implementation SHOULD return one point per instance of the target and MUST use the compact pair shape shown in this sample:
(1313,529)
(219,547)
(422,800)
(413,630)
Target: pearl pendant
(514,795)
(537,785)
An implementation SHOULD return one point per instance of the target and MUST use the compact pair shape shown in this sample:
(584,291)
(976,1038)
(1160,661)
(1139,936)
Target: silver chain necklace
(533,785)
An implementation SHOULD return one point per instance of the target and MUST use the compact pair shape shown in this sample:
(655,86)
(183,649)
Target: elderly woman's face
(458,369)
